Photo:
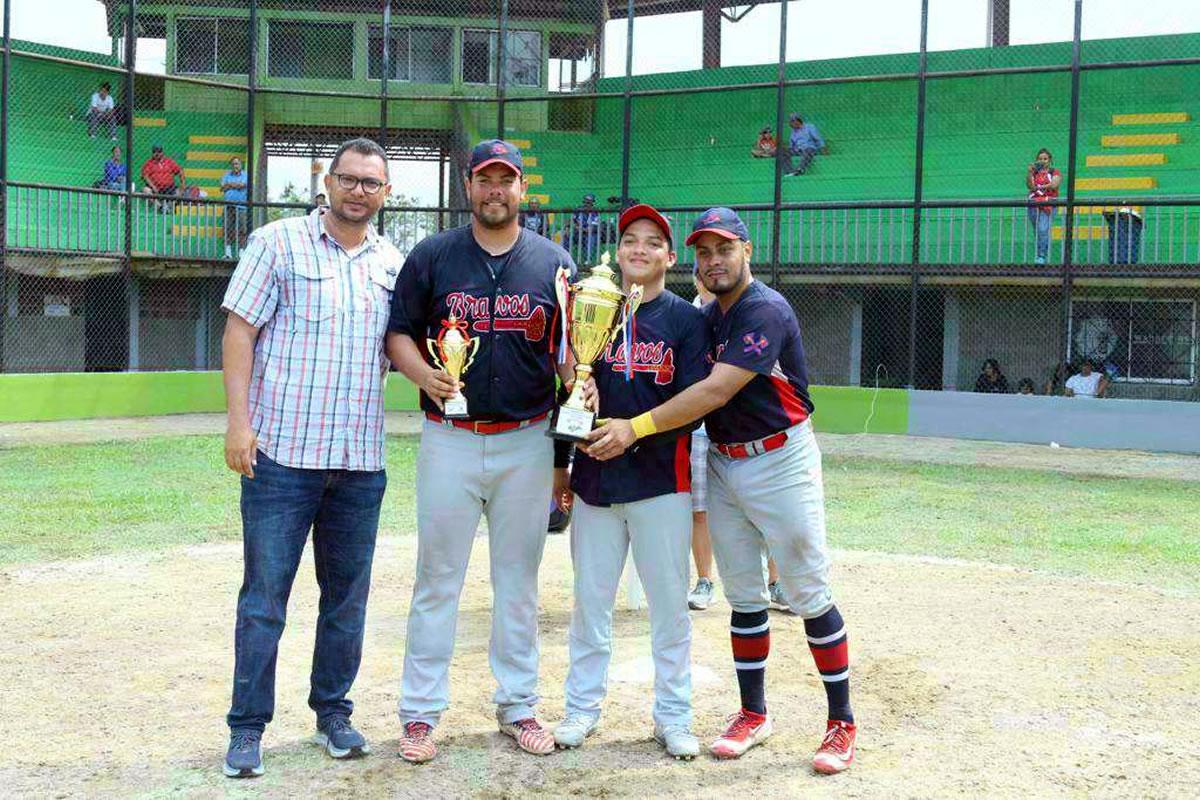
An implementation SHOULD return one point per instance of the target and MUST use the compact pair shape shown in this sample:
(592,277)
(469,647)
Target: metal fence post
(383,93)
(918,186)
(5,67)
(251,98)
(131,287)
(626,128)
(781,146)
(501,68)
(1072,155)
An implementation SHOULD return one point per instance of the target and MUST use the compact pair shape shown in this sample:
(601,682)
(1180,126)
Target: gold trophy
(453,351)
(594,308)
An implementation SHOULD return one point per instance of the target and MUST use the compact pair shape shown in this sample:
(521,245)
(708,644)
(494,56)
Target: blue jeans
(279,506)
(1041,222)
(806,156)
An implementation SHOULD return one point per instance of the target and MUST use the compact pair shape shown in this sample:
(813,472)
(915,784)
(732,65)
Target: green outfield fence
(906,246)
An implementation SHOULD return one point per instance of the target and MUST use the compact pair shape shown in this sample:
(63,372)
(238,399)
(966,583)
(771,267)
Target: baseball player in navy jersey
(641,501)
(764,483)
(497,279)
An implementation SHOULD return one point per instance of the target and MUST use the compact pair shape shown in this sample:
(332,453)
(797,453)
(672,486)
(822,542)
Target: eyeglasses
(350,182)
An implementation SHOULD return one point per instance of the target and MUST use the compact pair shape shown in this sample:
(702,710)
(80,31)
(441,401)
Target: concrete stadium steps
(1140,140)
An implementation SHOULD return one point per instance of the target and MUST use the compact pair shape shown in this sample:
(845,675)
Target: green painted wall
(80,395)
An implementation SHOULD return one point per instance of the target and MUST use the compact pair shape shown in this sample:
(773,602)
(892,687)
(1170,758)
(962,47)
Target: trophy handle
(562,290)
(431,345)
(632,301)
(472,349)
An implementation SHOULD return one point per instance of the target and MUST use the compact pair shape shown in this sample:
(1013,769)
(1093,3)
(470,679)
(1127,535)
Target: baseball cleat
(243,759)
(416,745)
(678,741)
(836,752)
(339,738)
(746,729)
(531,736)
(571,732)
(701,597)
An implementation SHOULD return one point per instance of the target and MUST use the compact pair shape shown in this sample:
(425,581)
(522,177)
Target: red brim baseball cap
(496,151)
(644,211)
(721,221)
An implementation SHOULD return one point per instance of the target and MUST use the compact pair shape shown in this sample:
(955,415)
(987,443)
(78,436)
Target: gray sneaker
(243,759)
(571,732)
(339,738)
(701,597)
(777,600)
(678,742)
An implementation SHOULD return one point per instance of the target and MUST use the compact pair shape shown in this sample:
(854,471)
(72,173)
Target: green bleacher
(981,133)
(48,144)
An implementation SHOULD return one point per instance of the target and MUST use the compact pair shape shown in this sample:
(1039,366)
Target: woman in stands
(1043,181)
(991,380)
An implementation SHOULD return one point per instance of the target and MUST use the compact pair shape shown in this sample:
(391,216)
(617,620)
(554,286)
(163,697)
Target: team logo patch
(755,343)
(710,218)
(499,149)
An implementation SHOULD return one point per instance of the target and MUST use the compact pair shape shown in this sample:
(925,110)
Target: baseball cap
(644,211)
(589,198)
(721,221)
(496,151)
(158,148)
(793,117)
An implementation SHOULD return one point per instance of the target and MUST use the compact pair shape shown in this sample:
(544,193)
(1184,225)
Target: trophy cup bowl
(453,351)
(594,313)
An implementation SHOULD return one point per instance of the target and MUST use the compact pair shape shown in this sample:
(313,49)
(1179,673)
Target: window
(211,46)
(1137,340)
(421,55)
(319,50)
(524,57)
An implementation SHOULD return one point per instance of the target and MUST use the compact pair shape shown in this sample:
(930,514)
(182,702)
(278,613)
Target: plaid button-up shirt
(316,391)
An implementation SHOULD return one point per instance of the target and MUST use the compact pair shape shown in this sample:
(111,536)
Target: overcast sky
(817,29)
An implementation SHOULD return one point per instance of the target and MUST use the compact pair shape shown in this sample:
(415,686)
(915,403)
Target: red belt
(755,448)
(485,427)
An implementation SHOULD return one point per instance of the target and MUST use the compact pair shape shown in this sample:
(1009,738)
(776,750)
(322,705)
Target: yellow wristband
(643,425)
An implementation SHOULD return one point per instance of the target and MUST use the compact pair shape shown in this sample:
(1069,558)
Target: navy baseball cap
(721,221)
(644,211)
(496,151)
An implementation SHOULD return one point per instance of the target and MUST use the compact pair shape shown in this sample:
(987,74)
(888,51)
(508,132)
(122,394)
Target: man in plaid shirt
(304,365)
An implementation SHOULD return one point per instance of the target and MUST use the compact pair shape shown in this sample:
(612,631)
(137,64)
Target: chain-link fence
(947,190)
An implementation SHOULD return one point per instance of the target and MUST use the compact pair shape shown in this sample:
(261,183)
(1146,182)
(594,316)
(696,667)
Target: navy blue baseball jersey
(507,301)
(760,334)
(670,353)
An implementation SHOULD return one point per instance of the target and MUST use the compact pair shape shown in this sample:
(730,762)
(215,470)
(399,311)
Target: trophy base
(455,408)
(571,424)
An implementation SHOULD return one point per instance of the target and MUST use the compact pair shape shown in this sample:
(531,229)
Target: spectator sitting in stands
(236,224)
(1043,181)
(1087,383)
(991,380)
(1025,386)
(1057,385)
(102,111)
(765,146)
(533,220)
(114,173)
(805,142)
(586,232)
(159,173)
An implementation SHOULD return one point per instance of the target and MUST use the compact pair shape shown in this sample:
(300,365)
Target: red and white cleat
(836,752)
(531,736)
(416,745)
(745,730)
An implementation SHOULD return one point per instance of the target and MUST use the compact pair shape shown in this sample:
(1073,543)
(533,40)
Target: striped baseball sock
(751,635)
(827,641)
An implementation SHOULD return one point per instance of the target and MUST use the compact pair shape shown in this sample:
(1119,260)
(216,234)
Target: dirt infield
(967,678)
